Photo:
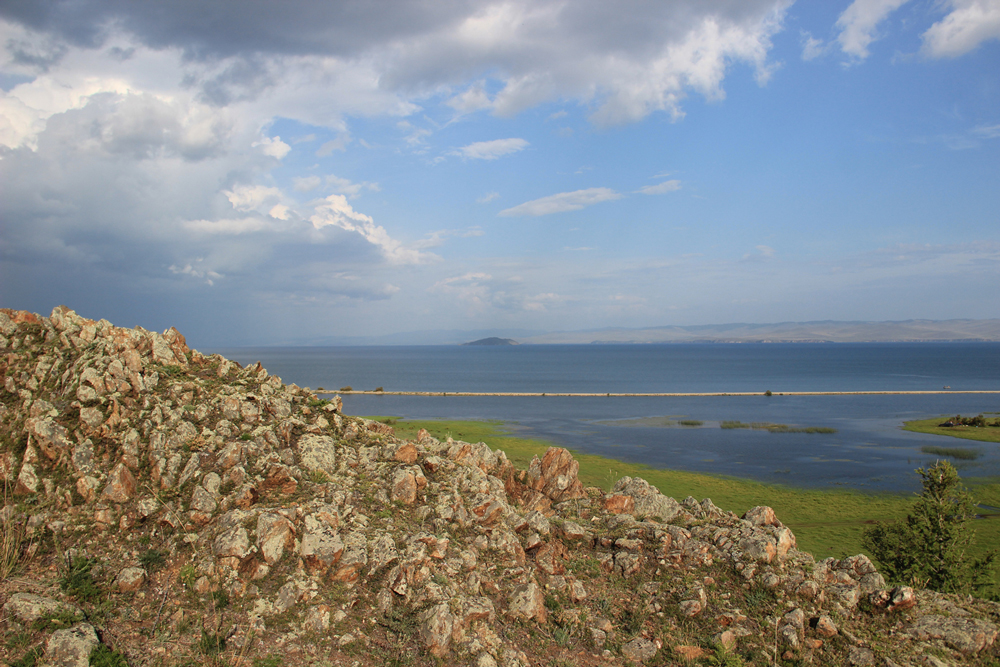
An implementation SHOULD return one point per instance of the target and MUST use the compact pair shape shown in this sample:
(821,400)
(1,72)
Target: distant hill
(493,340)
(923,331)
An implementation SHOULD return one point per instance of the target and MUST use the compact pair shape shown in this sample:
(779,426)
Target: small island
(493,340)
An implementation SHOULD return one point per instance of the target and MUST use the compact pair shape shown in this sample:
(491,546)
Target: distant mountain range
(789,332)
(782,332)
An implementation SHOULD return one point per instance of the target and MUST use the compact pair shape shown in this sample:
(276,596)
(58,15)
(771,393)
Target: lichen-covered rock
(130,579)
(28,607)
(71,647)
(649,502)
(555,475)
(318,452)
(967,635)
(528,602)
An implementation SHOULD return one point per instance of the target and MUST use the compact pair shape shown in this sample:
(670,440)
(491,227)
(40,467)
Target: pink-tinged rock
(902,598)
(275,533)
(121,485)
(619,504)
(555,475)
(407,453)
(27,480)
(404,486)
(436,626)
(528,602)
(130,579)
(762,516)
(49,436)
(321,545)
(87,487)
(92,417)
(550,556)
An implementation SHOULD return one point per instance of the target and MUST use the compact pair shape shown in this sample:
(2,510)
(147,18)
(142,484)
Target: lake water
(868,452)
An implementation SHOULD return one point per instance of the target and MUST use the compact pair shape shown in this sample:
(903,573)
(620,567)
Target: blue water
(868,452)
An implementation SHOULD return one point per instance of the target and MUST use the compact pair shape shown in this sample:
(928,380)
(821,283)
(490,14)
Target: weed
(30,658)
(953,452)
(562,636)
(11,540)
(188,575)
(690,422)
(18,640)
(318,477)
(152,559)
(57,620)
(78,580)
(269,661)
(102,656)
(245,437)
(221,599)
(722,656)
(211,644)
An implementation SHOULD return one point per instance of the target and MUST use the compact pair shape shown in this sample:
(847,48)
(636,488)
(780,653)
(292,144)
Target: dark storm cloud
(229,27)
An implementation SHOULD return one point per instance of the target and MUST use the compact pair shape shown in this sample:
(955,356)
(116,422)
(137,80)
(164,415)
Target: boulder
(318,452)
(28,608)
(555,475)
(527,601)
(649,502)
(71,647)
(121,485)
(639,649)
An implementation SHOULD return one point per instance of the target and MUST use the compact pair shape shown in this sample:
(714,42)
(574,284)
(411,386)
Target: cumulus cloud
(347,187)
(474,98)
(628,60)
(340,143)
(491,150)
(564,201)
(859,24)
(250,197)
(273,147)
(335,211)
(661,188)
(968,24)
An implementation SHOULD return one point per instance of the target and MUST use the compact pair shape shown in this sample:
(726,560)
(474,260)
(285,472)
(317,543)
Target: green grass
(825,523)
(953,452)
(982,434)
(775,428)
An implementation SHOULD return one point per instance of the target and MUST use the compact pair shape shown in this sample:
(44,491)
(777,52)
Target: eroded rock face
(555,475)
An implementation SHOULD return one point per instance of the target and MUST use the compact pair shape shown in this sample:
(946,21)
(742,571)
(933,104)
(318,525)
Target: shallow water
(868,452)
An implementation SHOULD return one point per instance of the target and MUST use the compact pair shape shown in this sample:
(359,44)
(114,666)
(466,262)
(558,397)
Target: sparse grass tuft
(102,656)
(952,452)
(78,580)
(152,559)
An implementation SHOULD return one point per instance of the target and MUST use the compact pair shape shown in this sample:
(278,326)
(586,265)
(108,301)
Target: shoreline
(527,394)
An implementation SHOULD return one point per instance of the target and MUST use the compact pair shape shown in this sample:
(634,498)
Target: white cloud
(338,213)
(558,114)
(762,253)
(250,197)
(488,197)
(224,226)
(812,48)
(969,23)
(859,22)
(661,188)
(306,183)
(273,147)
(491,150)
(347,187)
(564,201)
(473,99)
(988,131)
(202,274)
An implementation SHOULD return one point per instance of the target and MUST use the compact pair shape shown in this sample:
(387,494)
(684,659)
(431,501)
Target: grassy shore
(982,434)
(825,523)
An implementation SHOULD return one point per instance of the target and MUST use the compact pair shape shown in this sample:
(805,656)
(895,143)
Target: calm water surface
(869,450)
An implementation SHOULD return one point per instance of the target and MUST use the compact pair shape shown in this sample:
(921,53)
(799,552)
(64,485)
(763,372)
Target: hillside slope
(169,508)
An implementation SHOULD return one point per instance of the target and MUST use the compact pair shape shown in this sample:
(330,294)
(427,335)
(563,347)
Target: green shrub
(102,656)
(929,549)
(78,580)
(152,559)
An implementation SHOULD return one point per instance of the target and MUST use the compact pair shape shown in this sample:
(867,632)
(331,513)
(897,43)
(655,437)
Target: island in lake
(493,340)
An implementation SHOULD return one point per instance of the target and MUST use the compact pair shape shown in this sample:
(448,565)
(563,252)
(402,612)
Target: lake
(868,452)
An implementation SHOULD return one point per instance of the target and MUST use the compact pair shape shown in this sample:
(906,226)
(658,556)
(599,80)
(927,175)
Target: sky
(259,173)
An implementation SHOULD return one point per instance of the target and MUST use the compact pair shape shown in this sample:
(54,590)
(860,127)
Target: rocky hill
(166,508)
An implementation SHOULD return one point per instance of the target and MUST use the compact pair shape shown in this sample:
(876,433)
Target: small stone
(824,626)
(860,657)
(639,649)
(130,579)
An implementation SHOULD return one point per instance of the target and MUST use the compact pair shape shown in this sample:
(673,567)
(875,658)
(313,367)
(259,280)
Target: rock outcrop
(172,506)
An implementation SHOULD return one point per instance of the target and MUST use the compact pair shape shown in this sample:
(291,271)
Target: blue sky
(256,176)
